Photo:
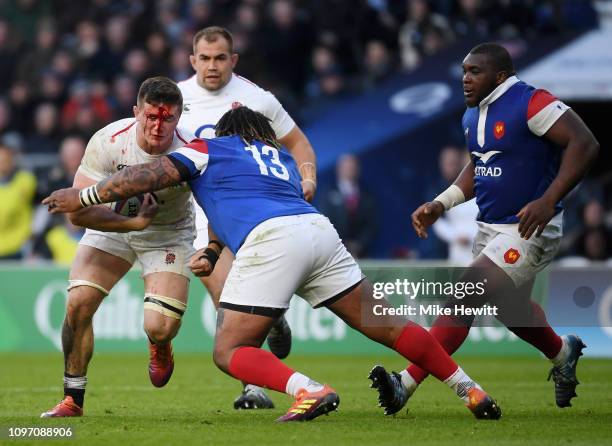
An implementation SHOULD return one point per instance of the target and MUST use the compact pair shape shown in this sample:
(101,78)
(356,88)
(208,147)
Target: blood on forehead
(162,113)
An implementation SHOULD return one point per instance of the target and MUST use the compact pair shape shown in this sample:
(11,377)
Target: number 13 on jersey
(276,168)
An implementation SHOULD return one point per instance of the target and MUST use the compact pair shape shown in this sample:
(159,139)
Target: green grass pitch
(122,407)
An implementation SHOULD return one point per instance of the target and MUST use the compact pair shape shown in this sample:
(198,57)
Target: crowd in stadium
(69,68)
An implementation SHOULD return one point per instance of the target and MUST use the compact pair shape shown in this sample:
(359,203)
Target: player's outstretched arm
(132,180)
(580,151)
(461,190)
(303,153)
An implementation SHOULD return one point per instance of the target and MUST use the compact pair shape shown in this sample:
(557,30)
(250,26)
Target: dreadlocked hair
(248,124)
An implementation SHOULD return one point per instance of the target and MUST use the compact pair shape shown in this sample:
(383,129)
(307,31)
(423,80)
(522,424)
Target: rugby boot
(482,405)
(279,338)
(309,405)
(564,375)
(161,363)
(66,408)
(253,397)
(392,395)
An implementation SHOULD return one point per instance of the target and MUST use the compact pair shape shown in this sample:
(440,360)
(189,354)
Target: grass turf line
(121,406)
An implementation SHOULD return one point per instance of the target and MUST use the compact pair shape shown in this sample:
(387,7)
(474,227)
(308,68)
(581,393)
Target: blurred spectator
(22,107)
(116,36)
(71,152)
(24,15)
(136,65)
(59,243)
(88,50)
(44,137)
(451,160)
(377,64)
(595,242)
(158,52)
(327,80)
(457,227)
(169,20)
(86,110)
(5,116)
(51,88)
(351,208)
(72,149)
(9,50)
(287,38)
(124,92)
(34,62)
(180,68)
(423,33)
(17,188)
(470,19)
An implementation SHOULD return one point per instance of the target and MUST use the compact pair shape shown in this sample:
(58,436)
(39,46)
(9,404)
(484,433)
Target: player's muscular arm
(580,150)
(305,158)
(126,183)
(102,218)
(134,180)
(427,214)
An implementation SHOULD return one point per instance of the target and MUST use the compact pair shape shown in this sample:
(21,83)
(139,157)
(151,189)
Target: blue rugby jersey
(240,186)
(513,163)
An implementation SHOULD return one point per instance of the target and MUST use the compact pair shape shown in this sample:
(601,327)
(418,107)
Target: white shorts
(156,250)
(300,254)
(519,258)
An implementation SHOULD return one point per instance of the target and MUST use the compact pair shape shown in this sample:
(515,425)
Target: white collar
(499,90)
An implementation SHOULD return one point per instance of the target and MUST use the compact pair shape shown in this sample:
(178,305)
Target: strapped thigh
(167,306)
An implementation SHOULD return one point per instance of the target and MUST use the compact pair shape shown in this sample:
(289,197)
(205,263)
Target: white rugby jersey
(202,109)
(114,147)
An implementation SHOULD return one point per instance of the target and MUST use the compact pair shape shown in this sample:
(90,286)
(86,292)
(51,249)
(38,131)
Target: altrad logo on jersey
(484,171)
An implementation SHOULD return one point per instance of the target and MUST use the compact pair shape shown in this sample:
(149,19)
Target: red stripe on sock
(539,333)
(418,346)
(259,367)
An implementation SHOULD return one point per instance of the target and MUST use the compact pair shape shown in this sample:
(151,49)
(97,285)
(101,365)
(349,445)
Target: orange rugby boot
(161,363)
(66,408)
(309,405)
(482,405)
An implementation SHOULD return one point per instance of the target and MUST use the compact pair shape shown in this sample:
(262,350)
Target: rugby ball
(128,207)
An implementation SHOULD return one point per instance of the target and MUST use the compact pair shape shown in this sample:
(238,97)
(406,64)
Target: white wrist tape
(451,197)
(89,196)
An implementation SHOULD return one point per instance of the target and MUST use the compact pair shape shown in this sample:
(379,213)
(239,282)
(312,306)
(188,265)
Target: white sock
(297,382)
(252,387)
(76,382)
(563,353)
(460,382)
(408,381)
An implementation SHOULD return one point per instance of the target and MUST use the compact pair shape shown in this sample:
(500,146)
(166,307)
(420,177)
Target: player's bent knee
(166,306)
(221,357)
(84,297)
(169,311)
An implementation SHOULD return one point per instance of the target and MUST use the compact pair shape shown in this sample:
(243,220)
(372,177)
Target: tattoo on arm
(139,179)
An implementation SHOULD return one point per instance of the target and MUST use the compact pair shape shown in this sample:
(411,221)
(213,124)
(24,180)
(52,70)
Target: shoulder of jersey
(115,130)
(184,135)
(245,84)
